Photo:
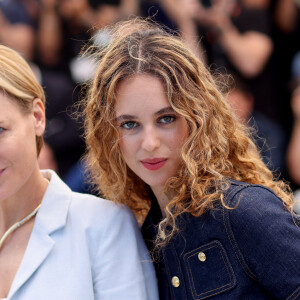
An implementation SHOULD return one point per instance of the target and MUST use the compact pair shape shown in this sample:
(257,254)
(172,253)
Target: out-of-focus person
(229,36)
(237,38)
(293,152)
(63,29)
(293,155)
(268,135)
(177,16)
(286,37)
(17,25)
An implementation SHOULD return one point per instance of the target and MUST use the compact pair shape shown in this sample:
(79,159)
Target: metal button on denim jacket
(249,252)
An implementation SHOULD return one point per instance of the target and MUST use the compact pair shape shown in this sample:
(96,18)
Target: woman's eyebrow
(164,110)
(125,118)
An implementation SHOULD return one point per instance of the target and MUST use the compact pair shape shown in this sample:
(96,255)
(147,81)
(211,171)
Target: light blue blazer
(81,248)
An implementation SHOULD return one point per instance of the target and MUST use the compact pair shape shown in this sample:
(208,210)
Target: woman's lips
(154,164)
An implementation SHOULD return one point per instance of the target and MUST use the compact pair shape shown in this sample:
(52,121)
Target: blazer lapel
(52,216)
(39,247)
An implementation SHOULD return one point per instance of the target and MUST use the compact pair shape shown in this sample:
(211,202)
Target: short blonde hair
(218,147)
(18,81)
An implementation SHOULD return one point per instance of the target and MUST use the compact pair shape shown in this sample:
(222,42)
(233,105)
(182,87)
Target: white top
(83,247)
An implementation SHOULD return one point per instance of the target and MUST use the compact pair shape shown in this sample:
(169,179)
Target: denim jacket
(249,252)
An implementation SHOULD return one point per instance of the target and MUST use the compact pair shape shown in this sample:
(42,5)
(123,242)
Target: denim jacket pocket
(209,270)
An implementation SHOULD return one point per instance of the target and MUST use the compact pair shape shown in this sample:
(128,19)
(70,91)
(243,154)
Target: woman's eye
(129,125)
(167,119)
(1,129)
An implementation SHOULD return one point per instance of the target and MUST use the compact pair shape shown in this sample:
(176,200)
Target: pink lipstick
(154,164)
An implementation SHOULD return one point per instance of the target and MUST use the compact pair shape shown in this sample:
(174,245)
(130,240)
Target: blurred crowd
(256,42)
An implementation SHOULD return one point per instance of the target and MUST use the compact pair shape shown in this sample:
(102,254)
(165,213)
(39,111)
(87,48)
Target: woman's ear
(38,111)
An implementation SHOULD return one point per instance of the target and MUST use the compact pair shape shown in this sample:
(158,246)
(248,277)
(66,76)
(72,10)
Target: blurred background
(257,42)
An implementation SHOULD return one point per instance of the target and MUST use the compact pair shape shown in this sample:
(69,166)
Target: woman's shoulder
(89,201)
(255,207)
(247,194)
(98,209)
(255,204)
(86,206)
(264,236)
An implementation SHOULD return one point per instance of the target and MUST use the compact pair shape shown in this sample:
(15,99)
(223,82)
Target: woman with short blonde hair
(54,243)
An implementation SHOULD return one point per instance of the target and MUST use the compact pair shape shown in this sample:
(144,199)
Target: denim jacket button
(175,281)
(202,256)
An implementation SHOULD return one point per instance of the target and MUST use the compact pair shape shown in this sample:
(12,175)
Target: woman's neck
(162,199)
(23,202)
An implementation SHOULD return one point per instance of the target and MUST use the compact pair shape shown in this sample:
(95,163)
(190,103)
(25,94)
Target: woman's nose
(151,140)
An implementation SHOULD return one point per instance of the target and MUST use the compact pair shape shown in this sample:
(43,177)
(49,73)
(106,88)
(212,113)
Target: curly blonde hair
(18,81)
(218,146)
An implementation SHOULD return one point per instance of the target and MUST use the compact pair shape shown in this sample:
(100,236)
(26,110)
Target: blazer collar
(51,216)
(53,212)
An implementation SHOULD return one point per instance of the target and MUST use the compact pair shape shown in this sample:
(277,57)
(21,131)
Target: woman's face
(152,133)
(18,154)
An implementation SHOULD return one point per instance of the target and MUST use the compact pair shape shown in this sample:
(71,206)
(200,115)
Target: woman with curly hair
(160,133)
